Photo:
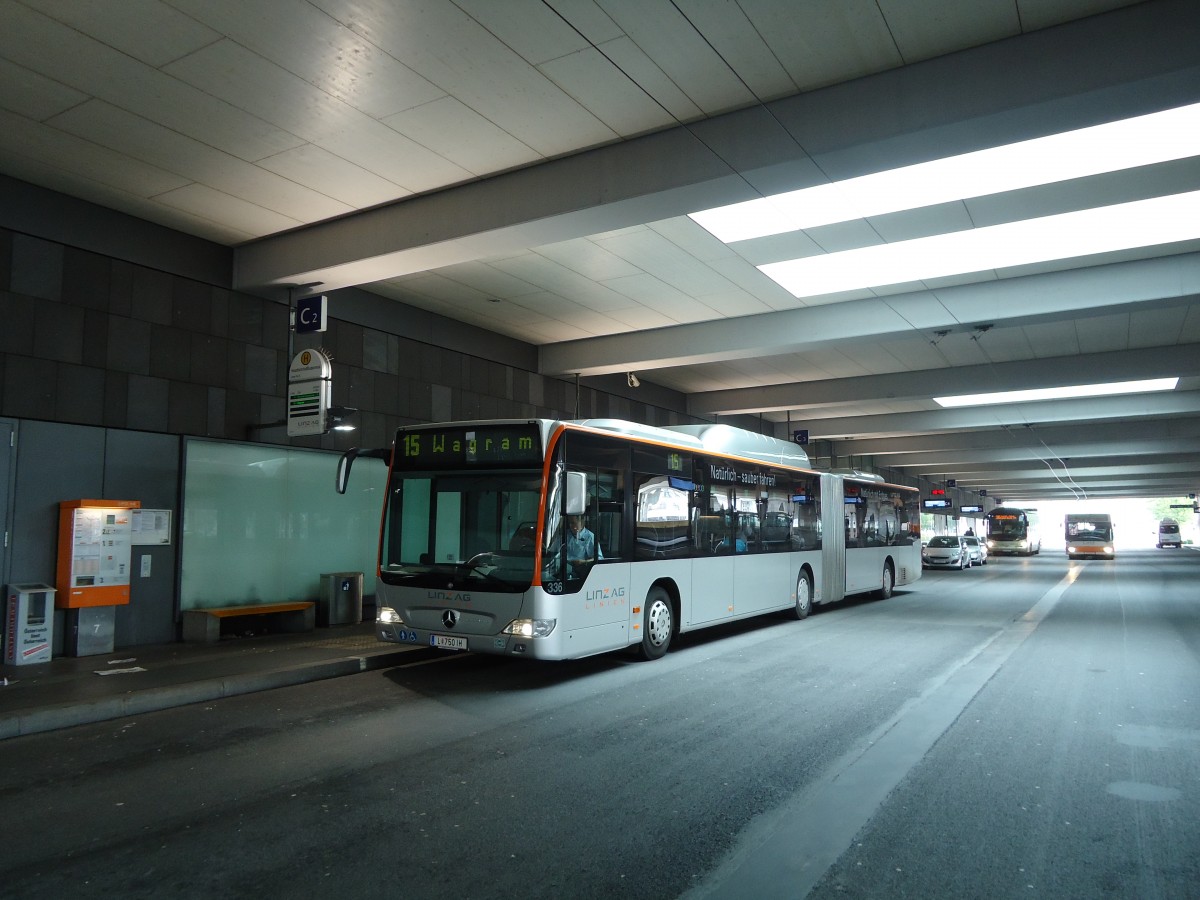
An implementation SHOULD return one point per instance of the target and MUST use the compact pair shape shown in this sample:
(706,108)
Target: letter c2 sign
(311,314)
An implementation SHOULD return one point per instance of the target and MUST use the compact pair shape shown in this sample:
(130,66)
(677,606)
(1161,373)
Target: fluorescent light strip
(1060,393)
(1140,141)
(1142,223)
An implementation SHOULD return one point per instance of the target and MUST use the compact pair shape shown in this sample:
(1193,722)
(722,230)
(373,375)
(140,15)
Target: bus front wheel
(803,597)
(889,581)
(658,624)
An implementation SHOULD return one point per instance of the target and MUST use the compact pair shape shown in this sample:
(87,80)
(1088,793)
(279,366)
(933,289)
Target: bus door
(714,544)
(761,577)
(833,527)
(591,525)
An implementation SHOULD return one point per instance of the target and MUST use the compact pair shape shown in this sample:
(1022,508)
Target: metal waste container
(341,599)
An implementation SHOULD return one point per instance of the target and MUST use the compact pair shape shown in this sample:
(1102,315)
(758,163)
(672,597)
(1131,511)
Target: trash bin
(341,599)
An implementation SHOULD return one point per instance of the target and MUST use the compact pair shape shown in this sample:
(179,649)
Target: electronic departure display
(937,503)
(970,509)
(469,446)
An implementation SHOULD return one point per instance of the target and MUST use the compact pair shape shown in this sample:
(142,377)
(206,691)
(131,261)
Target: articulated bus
(1013,531)
(562,539)
(1089,535)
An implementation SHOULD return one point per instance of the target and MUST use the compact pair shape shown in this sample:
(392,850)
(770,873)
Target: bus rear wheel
(658,624)
(888,582)
(803,597)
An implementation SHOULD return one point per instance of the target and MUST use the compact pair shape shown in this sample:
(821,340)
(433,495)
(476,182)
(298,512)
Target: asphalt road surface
(1027,729)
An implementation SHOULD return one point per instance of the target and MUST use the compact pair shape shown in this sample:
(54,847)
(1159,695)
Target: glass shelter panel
(261,524)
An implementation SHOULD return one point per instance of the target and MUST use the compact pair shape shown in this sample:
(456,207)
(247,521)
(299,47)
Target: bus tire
(803,596)
(658,624)
(888,582)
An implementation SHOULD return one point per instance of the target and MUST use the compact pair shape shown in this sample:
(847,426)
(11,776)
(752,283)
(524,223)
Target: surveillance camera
(632,380)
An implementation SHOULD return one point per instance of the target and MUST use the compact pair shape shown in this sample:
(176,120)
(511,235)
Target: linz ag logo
(604,597)
(449,596)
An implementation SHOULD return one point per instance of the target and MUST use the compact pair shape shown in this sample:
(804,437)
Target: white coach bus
(562,539)
(1013,531)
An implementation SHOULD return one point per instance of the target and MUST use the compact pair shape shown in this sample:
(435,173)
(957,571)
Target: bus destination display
(471,445)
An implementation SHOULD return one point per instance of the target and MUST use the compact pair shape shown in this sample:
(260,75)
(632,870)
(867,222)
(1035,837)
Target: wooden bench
(203,626)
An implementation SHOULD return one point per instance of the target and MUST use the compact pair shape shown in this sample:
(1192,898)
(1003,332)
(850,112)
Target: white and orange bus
(485,537)
(1089,535)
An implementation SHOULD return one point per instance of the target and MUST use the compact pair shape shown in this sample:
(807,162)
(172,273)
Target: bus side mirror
(576,493)
(347,460)
(343,469)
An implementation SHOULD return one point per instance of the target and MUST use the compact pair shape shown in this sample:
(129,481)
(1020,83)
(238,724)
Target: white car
(946,551)
(977,549)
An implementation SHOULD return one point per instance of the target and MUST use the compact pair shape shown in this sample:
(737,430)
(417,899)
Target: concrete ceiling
(527,166)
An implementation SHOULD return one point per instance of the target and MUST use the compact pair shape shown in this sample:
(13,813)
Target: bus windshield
(1006,527)
(1097,529)
(474,529)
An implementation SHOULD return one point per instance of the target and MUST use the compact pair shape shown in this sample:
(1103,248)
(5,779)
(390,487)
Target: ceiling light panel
(1060,393)
(1123,226)
(1129,143)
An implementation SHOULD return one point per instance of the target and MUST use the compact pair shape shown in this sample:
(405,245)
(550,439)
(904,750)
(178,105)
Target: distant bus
(1013,531)
(561,539)
(1089,535)
(1168,534)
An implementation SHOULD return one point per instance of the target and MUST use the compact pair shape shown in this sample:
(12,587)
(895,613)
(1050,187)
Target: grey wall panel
(68,462)
(54,463)
(8,429)
(37,211)
(145,467)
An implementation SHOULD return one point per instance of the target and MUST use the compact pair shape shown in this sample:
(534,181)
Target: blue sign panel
(311,314)
(800,436)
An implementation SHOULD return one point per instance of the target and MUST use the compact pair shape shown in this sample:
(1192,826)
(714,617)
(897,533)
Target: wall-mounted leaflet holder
(151,527)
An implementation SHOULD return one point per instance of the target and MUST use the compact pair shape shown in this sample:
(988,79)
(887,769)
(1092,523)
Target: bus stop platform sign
(310,379)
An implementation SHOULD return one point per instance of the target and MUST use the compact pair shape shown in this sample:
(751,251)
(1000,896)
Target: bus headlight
(530,628)
(388,616)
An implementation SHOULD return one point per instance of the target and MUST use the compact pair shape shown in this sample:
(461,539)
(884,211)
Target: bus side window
(662,519)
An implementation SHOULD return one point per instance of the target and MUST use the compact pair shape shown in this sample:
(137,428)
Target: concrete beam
(1131,61)
(1182,360)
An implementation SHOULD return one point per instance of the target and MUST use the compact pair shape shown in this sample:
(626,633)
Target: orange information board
(94,541)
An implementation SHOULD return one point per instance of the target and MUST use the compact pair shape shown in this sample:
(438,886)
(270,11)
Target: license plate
(446,642)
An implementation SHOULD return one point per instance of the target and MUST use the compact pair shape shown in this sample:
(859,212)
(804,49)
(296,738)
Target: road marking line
(785,852)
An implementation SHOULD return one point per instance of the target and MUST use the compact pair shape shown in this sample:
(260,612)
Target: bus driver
(582,548)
